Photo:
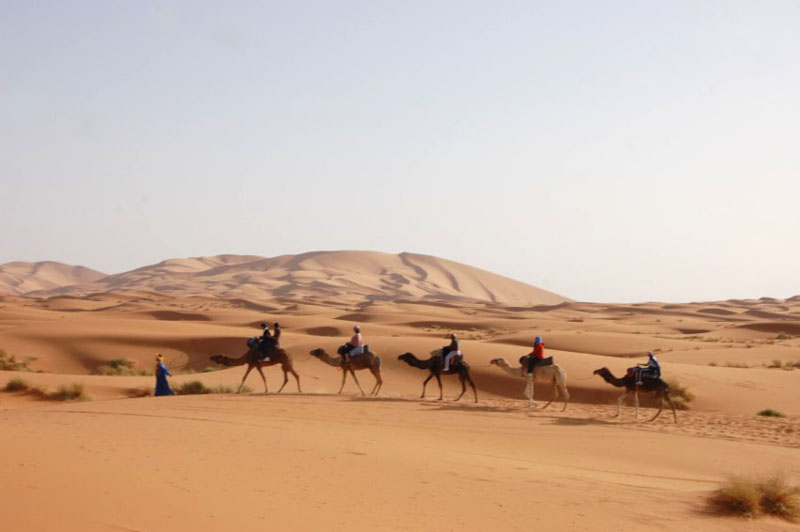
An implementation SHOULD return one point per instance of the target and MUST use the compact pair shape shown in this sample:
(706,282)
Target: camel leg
(636,404)
(263,378)
(353,373)
(531,391)
(246,373)
(463,387)
(297,378)
(441,390)
(378,381)
(555,395)
(344,378)
(660,400)
(619,402)
(285,379)
(565,395)
(474,391)
(424,384)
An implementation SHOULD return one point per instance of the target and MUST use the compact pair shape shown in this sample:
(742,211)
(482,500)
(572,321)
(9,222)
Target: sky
(611,151)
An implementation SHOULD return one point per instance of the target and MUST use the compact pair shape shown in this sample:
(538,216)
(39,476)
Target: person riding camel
(355,346)
(450,351)
(650,369)
(266,343)
(276,334)
(535,357)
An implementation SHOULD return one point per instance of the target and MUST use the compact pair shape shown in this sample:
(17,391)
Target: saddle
(645,373)
(262,347)
(523,360)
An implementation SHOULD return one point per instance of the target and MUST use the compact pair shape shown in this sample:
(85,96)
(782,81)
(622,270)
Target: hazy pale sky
(608,151)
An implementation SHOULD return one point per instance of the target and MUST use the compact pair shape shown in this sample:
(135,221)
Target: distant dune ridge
(345,275)
(23,277)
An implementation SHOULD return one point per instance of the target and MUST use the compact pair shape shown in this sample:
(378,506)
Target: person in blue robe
(162,386)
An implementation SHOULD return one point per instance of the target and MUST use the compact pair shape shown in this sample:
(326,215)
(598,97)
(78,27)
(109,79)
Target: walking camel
(649,385)
(253,360)
(552,372)
(434,366)
(367,360)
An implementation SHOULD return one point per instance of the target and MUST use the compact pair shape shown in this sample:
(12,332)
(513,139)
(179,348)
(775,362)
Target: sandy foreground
(319,460)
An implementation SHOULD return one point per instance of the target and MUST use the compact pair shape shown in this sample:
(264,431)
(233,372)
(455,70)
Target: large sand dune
(23,277)
(335,275)
(319,460)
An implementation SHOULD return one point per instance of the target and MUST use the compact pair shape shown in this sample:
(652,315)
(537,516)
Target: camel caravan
(355,355)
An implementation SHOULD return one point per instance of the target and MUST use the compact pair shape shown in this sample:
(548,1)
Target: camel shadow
(471,407)
(368,399)
(578,422)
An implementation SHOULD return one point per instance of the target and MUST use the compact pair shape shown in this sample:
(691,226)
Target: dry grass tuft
(681,395)
(748,497)
(73,392)
(122,367)
(771,413)
(141,391)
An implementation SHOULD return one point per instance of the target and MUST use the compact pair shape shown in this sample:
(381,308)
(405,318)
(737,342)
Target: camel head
(601,371)
(498,361)
(317,353)
(219,359)
(405,357)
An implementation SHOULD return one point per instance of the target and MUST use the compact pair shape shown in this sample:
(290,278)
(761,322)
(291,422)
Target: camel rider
(535,357)
(651,369)
(276,334)
(355,346)
(449,351)
(266,343)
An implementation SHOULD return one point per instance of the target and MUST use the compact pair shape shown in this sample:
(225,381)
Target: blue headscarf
(537,341)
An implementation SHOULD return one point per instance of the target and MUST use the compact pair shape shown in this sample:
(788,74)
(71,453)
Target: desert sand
(395,462)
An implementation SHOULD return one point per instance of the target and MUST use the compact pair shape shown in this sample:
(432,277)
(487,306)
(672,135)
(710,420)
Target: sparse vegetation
(775,364)
(713,364)
(122,367)
(17,385)
(771,413)
(141,391)
(681,395)
(783,336)
(12,363)
(748,497)
(198,387)
(73,392)
(740,365)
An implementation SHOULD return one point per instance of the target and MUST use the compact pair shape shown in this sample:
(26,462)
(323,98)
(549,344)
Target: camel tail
(377,361)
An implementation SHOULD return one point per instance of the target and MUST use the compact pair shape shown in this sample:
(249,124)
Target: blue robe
(162,386)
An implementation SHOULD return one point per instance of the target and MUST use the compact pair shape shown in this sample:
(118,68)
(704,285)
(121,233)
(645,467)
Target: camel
(434,367)
(367,360)
(253,360)
(649,385)
(552,372)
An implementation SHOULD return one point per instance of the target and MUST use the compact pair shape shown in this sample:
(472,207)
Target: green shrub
(771,413)
(122,367)
(17,385)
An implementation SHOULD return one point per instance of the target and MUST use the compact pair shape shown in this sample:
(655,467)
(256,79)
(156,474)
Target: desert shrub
(780,498)
(775,364)
(748,497)
(141,391)
(681,395)
(12,363)
(73,392)
(783,336)
(713,364)
(795,364)
(736,365)
(122,367)
(17,385)
(737,496)
(193,388)
(771,413)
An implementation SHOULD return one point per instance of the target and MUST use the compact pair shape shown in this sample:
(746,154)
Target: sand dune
(321,460)
(23,277)
(338,275)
